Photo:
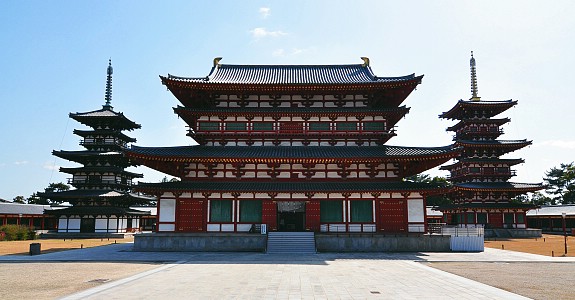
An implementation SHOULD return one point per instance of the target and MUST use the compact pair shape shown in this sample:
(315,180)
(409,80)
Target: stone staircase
(291,242)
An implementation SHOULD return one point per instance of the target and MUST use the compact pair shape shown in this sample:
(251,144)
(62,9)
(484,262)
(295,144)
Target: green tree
(19,199)
(438,181)
(35,199)
(560,183)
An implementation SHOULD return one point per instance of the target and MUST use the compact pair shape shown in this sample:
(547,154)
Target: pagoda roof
(462,123)
(101,169)
(107,132)
(510,162)
(97,210)
(82,194)
(291,74)
(516,144)
(105,116)
(292,187)
(81,156)
(322,154)
(498,186)
(464,109)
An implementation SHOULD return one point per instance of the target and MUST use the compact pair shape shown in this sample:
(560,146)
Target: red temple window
(236,126)
(346,126)
(263,126)
(208,126)
(373,126)
(319,126)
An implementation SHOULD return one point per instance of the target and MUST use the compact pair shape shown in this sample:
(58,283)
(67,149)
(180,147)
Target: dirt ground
(53,245)
(549,245)
(58,279)
(537,280)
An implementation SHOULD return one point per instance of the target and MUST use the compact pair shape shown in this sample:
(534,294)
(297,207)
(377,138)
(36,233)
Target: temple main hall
(291,148)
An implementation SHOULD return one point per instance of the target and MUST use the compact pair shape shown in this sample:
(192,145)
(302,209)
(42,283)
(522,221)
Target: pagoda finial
(108,96)
(474,90)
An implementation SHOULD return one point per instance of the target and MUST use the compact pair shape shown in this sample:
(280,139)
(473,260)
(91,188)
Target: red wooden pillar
(312,215)
(269,214)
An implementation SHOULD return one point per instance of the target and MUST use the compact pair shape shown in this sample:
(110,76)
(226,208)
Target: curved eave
(457,112)
(509,162)
(142,158)
(184,111)
(289,187)
(117,122)
(288,87)
(512,187)
(499,144)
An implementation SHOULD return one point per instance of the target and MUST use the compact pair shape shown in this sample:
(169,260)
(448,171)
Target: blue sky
(54,56)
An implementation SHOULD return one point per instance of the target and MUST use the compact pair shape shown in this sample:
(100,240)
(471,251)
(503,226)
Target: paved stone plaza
(279,276)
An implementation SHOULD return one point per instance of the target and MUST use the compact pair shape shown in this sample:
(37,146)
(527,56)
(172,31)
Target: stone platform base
(381,243)
(200,242)
(513,233)
(90,235)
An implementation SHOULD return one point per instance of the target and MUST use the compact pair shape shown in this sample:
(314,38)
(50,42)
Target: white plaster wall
(101,225)
(113,224)
(166,227)
(415,210)
(74,225)
(167,210)
(62,224)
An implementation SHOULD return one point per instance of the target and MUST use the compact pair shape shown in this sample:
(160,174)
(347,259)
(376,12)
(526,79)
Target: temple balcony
(96,143)
(464,173)
(101,182)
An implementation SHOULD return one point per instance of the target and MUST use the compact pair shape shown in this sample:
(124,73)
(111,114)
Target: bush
(16,233)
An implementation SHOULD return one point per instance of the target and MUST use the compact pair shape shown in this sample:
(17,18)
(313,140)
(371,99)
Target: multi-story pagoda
(101,198)
(481,192)
(294,147)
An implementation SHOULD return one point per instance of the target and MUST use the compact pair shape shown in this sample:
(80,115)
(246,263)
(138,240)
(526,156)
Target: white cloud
(278,52)
(51,166)
(296,51)
(557,144)
(21,162)
(261,32)
(265,12)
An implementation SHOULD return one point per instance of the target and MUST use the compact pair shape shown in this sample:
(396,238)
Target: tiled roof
(81,156)
(297,110)
(288,152)
(25,209)
(553,210)
(499,186)
(501,143)
(97,210)
(92,118)
(292,74)
(282,186)
(465,109)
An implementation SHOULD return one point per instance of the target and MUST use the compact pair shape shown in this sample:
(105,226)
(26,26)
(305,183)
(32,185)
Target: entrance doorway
(291,216)
(87,225)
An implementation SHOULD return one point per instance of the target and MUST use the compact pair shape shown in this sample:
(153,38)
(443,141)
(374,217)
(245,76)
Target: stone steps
(291,242)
